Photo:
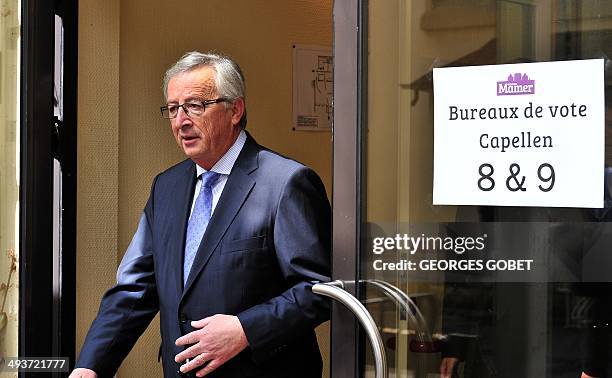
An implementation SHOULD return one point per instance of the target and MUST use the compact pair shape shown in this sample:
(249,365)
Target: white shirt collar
(226,163)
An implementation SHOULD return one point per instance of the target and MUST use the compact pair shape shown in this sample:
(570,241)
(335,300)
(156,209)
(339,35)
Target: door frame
(350,37)
(46,320)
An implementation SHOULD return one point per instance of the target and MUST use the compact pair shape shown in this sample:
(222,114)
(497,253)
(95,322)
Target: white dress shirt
(223,167)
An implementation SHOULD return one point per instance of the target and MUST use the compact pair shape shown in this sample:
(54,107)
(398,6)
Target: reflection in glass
(557,326)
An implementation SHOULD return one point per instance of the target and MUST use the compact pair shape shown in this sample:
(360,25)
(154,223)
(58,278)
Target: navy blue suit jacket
(267,241)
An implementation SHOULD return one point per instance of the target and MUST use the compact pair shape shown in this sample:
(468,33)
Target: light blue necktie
(198,220)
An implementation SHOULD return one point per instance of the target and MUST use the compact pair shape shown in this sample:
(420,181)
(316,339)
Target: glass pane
(9,175)
(559,325)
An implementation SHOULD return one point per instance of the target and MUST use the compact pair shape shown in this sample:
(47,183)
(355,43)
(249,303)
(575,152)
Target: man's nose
(181,116)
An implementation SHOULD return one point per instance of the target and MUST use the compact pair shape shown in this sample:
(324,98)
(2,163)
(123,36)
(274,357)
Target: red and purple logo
(517,84)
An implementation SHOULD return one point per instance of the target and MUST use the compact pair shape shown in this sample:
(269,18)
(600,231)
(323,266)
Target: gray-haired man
(227,247)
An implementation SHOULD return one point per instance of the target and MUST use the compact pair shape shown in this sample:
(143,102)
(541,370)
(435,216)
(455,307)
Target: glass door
(446,321)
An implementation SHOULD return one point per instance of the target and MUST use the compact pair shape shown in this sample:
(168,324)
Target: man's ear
(237,110)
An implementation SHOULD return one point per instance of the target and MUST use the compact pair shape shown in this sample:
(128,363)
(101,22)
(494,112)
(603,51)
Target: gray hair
(229,80)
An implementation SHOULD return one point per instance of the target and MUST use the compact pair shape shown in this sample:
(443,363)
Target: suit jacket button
(183,318)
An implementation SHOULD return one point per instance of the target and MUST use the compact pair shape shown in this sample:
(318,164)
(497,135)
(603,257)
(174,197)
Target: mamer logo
(517,84)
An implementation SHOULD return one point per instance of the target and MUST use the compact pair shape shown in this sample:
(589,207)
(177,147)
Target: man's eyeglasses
(194,108)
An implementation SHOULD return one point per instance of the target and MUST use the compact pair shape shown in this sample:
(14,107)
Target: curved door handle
(335,290)
(410,308)
(424,342)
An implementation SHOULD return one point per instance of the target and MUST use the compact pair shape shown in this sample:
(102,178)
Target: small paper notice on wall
(313,81)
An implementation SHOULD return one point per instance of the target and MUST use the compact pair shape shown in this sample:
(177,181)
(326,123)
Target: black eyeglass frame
(204,103)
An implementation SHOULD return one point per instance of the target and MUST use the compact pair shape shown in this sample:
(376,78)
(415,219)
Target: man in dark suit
(227,247)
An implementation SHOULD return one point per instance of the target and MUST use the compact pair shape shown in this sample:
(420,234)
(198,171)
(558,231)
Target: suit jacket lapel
(237,188)
(185,196)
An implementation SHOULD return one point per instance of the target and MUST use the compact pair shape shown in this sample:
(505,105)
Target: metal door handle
(424,343)
(407,305)
(335,290)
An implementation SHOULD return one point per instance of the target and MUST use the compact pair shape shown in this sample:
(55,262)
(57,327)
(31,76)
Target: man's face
(204,138)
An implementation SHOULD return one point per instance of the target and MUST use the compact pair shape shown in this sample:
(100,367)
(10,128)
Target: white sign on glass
(528,134)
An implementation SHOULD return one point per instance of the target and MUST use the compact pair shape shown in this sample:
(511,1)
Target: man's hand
(83,373)
(585,375)
(219,338)
(447,366)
